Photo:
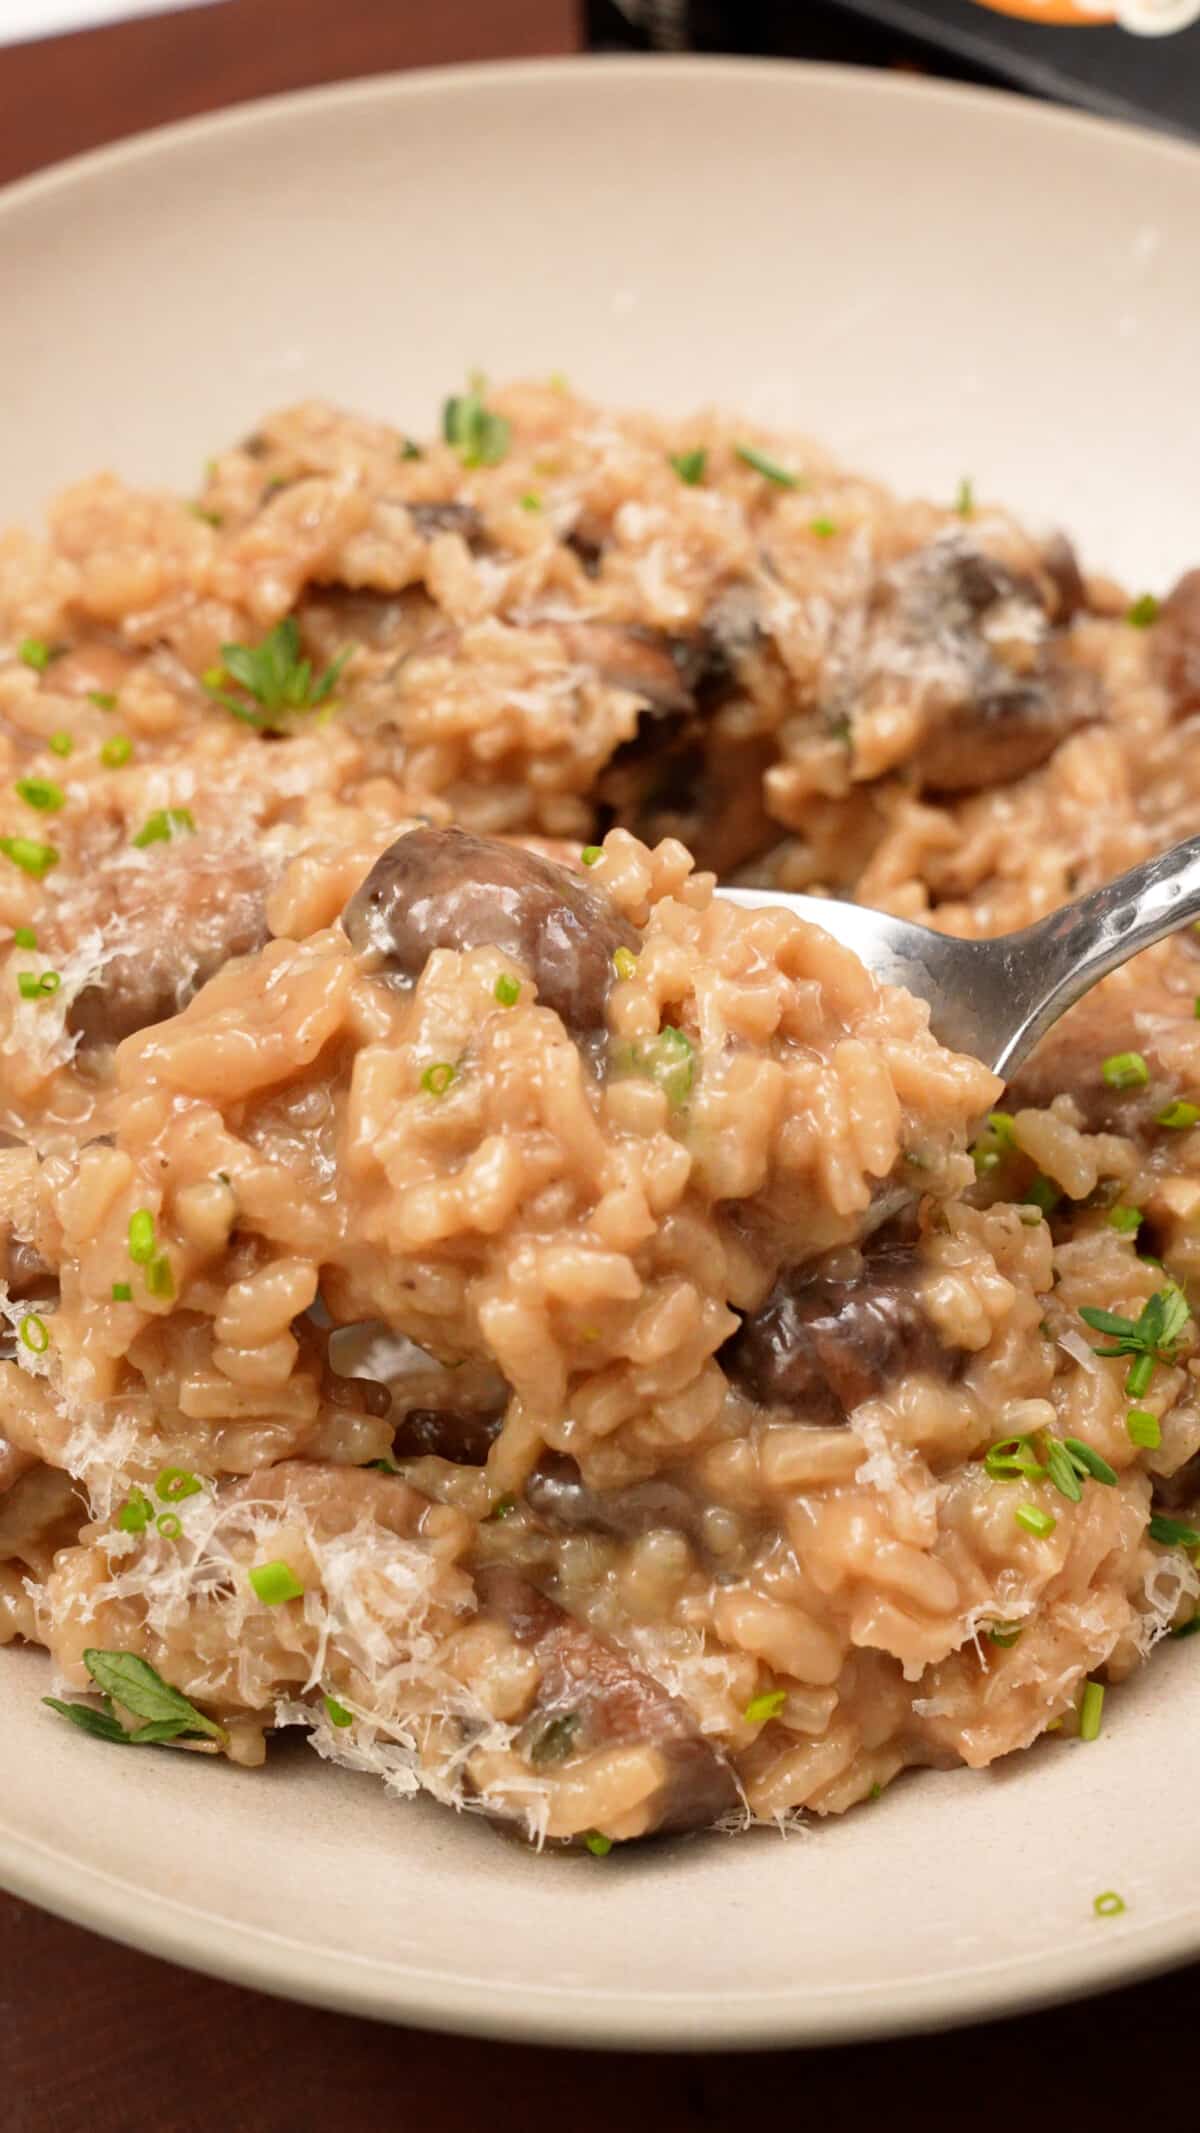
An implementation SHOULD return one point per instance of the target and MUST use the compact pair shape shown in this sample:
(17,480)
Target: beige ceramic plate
(939,283)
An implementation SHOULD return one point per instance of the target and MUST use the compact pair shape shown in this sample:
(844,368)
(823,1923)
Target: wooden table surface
(96,2039)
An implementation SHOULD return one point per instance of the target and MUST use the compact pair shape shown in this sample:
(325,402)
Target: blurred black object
(1154,80)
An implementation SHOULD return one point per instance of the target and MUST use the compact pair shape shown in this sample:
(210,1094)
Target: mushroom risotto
(573,1344)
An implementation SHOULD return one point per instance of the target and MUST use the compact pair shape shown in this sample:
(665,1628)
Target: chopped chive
(437,1078)
(274,1583)
(160,1278)
(163,824)
(598,1844)
(1143,1428)
(104,699)
(1042,1194)
(141,1236)
(31,986)
(669,1059)
(135,1513)
(1125,1220)
(1144,611)
(34,1334)
(1036,1521)
(336,1712)
(1010,1457)
(768,467)
(964,497)
(41,793)
(591,853)
(1138,1376)
(507,990)
(24,937)
(210,518)
(530,501)
(35,652)
(169,1524)
(1178,1115)
(624,962)
(1172,1533)
(31,857)
(1004,1634)
(116,751)
(1029,1215)
(1090,1710)
(503,1508)
(122,1293)
(690,465)
(768,1705)
(876,1792)
(1125,1070)
(60,744)
(1108,1904)
(409,449)
(824,528)
(177,1482)
(1004,1126)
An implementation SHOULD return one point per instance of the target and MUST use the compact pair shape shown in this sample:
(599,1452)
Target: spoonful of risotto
(996,998)
(992,998)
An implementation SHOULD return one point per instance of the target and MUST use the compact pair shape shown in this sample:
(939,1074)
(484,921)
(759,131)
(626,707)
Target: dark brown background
(94,2039)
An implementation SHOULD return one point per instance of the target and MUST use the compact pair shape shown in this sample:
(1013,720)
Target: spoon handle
(1052,964)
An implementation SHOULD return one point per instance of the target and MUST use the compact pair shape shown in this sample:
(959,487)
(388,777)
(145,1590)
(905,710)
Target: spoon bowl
(997,998)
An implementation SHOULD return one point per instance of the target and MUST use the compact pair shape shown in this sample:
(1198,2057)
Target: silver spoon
(996,998)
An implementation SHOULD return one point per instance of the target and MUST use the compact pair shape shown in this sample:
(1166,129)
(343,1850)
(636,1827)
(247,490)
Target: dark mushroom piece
(432,519)
(976,641)
(820,1346)
(1177,645)
(1069,1061)
(591,1693)
(445,888)
(558,1493)
(168,929)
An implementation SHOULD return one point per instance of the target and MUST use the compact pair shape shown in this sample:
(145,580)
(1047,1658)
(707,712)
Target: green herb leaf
(61,744)
(1036,1521)
(770,468)
(824,528)
(1154,1334)
(277,681)
(1125,1220)
(1144,611)
(336,1712)
(1004,1634)
(1088,1462)
(1061,1470)
(116,751)
(480,438)
(597,1843)
(507,990)
(1143,1428)
(690,465)
(964,498)
(135,1513)
(104,699)
(89,1720)
(135,1684)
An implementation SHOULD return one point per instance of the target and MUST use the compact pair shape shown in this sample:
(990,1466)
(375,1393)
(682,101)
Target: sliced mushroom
(591,1694)
(820,1346)
(432,519)
(973,644)
(165,931)
(444,888)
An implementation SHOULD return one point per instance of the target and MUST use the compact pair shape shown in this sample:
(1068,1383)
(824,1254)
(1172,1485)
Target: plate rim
(533,2012)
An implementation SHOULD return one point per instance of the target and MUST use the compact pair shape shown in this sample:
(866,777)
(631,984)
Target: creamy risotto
(574,1345)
